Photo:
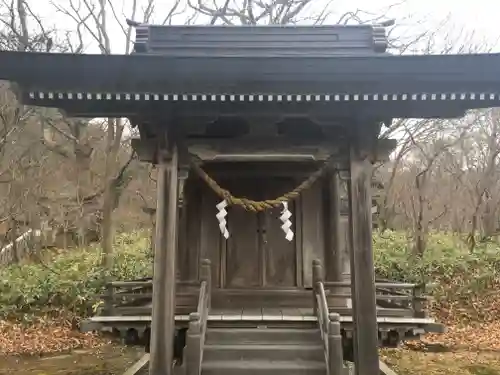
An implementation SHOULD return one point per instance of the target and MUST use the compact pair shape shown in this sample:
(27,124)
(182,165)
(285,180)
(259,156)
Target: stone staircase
(262,351)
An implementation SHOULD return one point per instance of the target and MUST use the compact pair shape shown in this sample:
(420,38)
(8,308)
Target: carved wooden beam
(269,149)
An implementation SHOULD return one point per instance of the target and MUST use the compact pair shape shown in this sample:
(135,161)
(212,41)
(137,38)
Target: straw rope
(258,206)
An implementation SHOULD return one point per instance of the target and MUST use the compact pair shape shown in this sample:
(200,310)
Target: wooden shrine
(257,269)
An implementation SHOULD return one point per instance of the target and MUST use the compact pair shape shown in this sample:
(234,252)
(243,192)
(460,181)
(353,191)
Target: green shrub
(459,275)
(70,280)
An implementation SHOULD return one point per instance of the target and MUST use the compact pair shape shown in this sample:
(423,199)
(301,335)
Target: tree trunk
(114,135)
(471,238)
(107,221)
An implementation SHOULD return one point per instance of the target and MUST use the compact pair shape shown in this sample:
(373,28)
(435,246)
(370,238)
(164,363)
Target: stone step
(262,336)
(263,367)
(245,352)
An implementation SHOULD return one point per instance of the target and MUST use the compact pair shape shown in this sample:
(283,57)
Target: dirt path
(114,360)
(108,360)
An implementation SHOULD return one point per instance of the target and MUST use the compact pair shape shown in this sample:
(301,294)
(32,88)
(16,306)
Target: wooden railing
(329,325)
(195,339)
(389,295)
(19,249)
(392,295)
(122,297)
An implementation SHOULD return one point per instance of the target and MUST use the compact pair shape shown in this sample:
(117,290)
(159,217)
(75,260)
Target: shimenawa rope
(258,206)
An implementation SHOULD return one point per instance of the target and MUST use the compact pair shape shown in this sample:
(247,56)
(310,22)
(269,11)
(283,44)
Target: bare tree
(474,167)
(93,17)
(282,12)
(439,177)
(21,30)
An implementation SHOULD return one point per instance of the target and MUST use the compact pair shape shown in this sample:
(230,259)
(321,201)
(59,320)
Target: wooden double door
(257,254)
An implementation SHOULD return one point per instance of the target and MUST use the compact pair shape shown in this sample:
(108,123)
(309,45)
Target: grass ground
(465,362)
(106,360)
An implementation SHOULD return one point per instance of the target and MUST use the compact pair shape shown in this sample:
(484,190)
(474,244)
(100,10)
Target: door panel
(242,258)
(280,254)
(242,251)
(257,252)
(313,241)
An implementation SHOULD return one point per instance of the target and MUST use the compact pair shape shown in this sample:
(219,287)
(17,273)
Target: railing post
(193,350)
(335,354)
(109,299)
(317,271)
(206,275)
(317,276)
(418,304)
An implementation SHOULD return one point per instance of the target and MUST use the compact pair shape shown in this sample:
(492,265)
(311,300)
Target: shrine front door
(257,254)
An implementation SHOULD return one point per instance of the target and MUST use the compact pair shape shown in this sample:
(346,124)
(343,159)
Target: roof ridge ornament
(132,23)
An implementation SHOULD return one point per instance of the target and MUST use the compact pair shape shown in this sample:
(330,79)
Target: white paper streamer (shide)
(221,217)
(287,224)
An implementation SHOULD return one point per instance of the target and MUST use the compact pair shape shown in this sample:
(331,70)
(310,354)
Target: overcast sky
(472,16)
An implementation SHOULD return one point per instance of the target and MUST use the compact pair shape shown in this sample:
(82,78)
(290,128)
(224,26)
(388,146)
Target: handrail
(202,297)
(195,340)
(387,285)
(322,315)
(329,325)
(130,291)
(410,295)
(148,282)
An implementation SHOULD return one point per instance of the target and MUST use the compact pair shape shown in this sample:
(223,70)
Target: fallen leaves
(483,336)
(44,336)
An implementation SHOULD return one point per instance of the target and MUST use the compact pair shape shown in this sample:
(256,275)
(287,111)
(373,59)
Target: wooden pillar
(338,266)
(362,267)
(182,254)
(163,315)
(335,232)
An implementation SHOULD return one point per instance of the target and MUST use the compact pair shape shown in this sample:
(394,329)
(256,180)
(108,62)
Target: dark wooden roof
(267,41)
(374,74)
(216,70)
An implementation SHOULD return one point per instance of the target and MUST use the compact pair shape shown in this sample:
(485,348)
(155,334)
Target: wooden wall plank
(313,239)
(190,253)
(210,236)
(333,256)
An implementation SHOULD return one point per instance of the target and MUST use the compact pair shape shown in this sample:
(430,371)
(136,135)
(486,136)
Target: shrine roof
(250,68)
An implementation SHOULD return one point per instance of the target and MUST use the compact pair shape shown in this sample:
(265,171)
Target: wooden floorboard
(256,314)
(216,317)
(271,314)
(251,314)
(231,314)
